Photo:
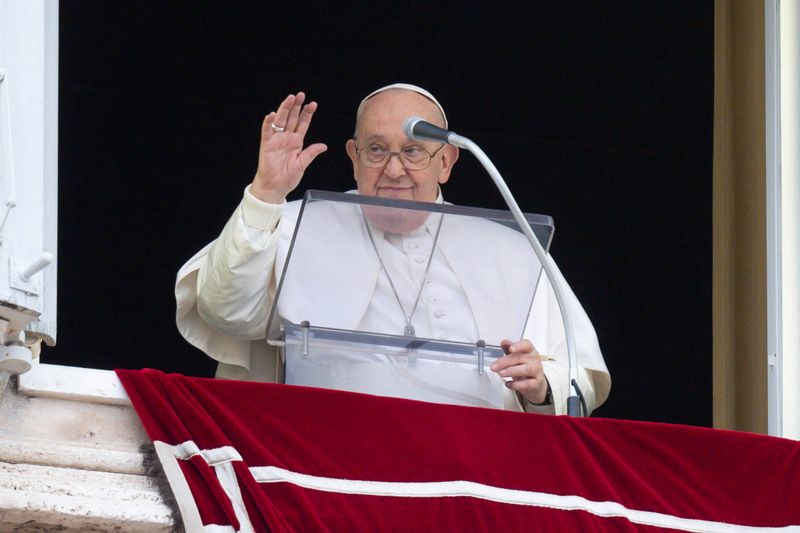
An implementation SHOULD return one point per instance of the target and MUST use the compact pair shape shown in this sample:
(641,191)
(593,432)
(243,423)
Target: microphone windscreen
(421,130)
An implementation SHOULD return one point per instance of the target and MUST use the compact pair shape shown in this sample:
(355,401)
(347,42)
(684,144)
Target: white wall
(29,151)
(783,214)
(790,214)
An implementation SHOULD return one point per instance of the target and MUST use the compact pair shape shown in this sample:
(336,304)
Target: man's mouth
(394,191)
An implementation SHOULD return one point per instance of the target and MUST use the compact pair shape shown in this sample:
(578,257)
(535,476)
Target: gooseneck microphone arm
(419,129)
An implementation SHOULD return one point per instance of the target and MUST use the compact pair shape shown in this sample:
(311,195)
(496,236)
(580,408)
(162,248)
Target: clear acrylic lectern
(402,298)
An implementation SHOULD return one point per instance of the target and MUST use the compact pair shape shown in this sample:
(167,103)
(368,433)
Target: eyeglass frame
(399,154)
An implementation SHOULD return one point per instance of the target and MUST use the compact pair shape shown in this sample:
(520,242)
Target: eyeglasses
(411,157)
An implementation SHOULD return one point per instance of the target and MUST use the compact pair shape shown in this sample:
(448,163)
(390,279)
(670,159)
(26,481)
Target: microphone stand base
(573,406)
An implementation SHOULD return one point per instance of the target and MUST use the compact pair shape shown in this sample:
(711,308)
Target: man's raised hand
(281,157)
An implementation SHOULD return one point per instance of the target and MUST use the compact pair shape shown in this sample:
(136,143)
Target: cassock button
(439,314)
(419,259)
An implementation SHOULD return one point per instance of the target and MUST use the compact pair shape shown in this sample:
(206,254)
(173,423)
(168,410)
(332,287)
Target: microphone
(421,130)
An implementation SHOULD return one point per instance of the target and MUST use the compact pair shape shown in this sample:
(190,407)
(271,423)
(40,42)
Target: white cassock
(225,292)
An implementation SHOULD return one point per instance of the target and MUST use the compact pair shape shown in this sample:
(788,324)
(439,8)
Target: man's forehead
(401,102)
(403,97)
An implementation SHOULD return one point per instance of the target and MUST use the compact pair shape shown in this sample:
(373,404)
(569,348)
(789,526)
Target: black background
(597,113)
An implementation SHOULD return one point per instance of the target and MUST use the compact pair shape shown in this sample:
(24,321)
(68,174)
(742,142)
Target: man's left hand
(524,365)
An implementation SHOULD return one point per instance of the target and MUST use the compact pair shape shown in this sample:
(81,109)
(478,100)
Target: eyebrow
(375,136)
(379,137)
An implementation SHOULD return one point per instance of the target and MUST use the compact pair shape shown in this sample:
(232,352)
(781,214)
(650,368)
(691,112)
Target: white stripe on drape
(272,474)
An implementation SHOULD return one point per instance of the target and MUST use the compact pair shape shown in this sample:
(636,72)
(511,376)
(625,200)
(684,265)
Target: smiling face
(381,125)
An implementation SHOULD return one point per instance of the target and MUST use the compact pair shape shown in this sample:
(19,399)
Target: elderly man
(225,292)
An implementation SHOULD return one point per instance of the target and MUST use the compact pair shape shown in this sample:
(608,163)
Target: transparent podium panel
(396,296)
(387,365)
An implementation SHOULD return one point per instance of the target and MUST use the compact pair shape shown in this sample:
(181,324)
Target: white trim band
(221,459)
(214,456)
(272,474)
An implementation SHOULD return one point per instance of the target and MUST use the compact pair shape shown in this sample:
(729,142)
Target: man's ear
(350,147)
(449,158)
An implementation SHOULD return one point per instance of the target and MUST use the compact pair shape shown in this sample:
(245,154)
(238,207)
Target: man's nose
(394,167)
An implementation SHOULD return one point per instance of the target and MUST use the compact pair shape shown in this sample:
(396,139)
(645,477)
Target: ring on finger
(276,129)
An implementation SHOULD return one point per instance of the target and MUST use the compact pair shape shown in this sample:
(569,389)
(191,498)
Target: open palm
(281,157)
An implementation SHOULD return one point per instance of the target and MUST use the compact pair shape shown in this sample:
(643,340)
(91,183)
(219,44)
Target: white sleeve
(545,329)
(223,292)
(235,281)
